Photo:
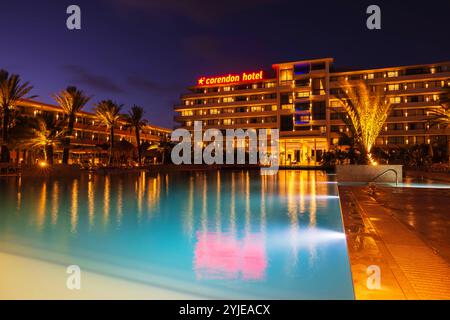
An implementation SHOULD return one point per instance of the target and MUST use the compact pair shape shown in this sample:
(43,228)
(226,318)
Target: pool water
(220,235)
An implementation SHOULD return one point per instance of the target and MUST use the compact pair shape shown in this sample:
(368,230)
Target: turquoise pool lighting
(226,235)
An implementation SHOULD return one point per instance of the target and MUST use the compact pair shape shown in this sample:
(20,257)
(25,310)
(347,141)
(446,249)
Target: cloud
(145,84)
(82,76)
(204,47)
(200,11)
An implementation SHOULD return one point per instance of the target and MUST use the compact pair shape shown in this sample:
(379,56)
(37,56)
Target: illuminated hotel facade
(88,132)
(300,99)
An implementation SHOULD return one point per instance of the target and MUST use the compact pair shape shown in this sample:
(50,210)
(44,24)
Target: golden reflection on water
(91,202)
(119,203)
(19,194)
(42,206)
(153,194)
(55,203)
(74,207)
(106,200)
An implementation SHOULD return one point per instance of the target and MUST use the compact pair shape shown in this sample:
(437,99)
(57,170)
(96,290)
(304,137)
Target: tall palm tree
(46,137)
(367,110)
(108,113)
(441,116)
(71,101)
(135,119)
(11,91)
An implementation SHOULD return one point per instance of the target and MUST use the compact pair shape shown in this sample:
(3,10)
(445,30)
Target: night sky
(147,52)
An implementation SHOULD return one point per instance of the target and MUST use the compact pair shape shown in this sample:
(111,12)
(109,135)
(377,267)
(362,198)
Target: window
(318,86)
(392,74)
(228,99)
(286,76)
(395,99)
(370,76)
(393,87)
(319,110)
(187,113)
(303,94)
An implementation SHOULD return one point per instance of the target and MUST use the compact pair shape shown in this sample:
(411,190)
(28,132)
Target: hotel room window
(302,83)
(395,99)
(270,84)
(393,87)
(392,74)
(318,85)
(370,76)
(319,110)
(227,122)
(303,94)
(228,99)
(286,76)
(285,98)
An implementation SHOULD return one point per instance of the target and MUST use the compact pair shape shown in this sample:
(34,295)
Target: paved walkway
(409,241)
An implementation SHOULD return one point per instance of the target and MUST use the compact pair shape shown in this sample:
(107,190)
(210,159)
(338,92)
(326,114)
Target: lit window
(392,74)
(393,87)
(370,76)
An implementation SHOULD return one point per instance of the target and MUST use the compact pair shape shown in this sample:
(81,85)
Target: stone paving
(408,240)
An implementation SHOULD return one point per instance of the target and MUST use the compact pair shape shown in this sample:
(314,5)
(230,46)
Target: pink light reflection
(223,256)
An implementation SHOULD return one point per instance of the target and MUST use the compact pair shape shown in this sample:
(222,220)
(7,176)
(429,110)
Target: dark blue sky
(146,52)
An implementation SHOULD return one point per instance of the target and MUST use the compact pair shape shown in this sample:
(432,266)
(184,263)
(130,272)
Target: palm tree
(441,116)
(71,101)
(135,120)
(46,137)
(11,91)
(108,113)
(367,110)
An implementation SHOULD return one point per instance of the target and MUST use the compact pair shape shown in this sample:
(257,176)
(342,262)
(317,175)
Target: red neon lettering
(230,78)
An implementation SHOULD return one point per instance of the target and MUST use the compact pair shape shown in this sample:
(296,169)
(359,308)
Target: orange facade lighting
(230,78)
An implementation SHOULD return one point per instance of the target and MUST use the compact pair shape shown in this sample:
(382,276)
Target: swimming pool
(219,235)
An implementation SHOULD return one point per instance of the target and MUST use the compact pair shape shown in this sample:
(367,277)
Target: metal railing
(396,176)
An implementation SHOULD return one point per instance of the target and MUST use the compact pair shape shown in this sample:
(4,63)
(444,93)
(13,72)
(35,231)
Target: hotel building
(300,99)
(89,134)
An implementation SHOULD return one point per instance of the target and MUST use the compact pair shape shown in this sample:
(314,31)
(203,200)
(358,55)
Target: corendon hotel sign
(230,78)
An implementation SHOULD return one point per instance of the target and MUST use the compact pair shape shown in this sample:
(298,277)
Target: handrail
(396,176)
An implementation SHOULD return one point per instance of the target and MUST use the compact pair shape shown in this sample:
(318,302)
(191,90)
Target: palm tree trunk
(49,153)
(4,148)
(111,144)
(138,140)
(66,150)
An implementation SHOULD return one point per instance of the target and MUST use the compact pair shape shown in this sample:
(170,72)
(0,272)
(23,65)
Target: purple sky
(147,52)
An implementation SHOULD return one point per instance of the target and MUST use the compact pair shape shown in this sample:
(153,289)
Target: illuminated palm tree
(11,91)
(46,137)
(367,110)
(71,101)
(441,116)
(108,113)
(135,120)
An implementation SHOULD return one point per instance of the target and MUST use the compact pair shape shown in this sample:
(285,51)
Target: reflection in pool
(212,234)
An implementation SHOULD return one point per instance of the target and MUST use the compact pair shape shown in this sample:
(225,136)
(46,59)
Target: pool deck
(404,231)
